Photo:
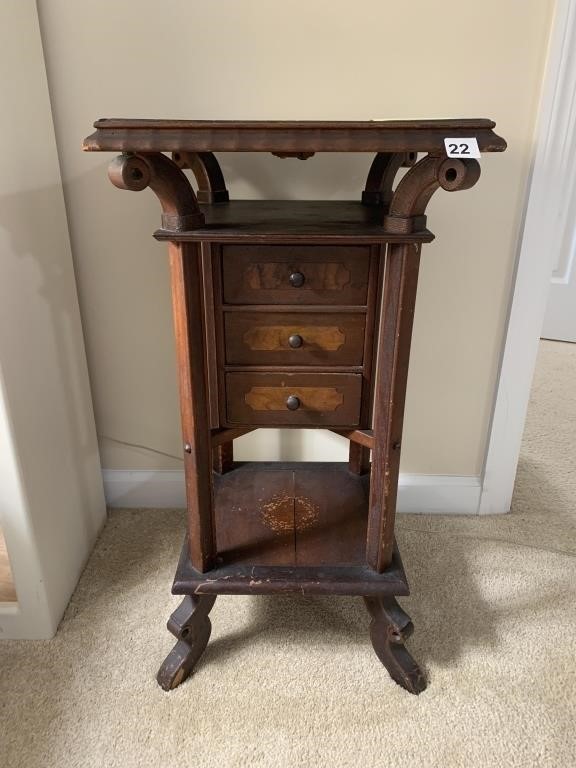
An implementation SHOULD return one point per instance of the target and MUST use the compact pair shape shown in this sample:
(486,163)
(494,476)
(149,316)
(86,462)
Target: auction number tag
(462,148)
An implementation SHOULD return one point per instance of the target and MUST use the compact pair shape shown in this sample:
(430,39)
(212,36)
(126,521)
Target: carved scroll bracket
(380,181)
(408,205)
(180,209)
(208,174)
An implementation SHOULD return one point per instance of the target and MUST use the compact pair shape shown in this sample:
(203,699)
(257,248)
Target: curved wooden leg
(191,626)
(389,629)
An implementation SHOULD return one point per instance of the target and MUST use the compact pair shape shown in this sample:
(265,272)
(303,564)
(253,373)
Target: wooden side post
(187,304)
(397,314)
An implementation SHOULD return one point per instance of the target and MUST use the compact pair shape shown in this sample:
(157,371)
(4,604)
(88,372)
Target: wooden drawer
(298,399)
(286,274)
(294,338)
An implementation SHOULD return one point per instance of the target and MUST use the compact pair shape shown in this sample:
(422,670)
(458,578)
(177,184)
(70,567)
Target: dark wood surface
(295,314)
(389,629)
(382,175)
(254,516)
(294,338)
(208,174)
(288,527)
(292,221)
(291,514)
(209,292)
(136,135)
(186,278)
(330,515)
(363,437)
(324,399)
(266,274)
(191,627)
(223,436)
(180,210)
(397,315)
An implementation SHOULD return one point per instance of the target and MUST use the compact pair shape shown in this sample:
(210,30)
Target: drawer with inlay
(286,274)
(294,338)
(298,399)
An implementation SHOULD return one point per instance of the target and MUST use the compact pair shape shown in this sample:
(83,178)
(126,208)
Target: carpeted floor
(293,681)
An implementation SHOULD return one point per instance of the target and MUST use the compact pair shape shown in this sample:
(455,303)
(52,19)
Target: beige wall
(300,60)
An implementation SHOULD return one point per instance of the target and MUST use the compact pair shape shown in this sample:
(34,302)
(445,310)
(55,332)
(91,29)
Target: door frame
(545,210)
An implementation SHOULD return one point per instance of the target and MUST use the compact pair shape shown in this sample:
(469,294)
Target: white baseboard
(424,494)
(439,494)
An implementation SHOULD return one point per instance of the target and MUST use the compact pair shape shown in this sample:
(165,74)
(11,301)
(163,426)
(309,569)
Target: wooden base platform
(291,527)
(307,580)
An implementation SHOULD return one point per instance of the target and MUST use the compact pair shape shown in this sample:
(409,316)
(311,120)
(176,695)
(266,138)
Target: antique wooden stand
(292,314)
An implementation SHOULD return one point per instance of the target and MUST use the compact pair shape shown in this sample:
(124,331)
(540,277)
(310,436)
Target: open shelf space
(295,513)
(291,527)
(341,221)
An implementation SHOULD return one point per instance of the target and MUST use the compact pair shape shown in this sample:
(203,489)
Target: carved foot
(191,626)
(389,629)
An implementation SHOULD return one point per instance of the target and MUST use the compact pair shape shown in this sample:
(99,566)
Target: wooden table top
(138,135)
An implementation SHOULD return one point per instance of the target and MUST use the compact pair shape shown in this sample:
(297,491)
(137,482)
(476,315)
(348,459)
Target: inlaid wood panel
(255,520)
(283,338)
(291,514)
(284,274)
(297,399)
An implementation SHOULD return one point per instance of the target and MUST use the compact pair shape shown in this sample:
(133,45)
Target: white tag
(462,148)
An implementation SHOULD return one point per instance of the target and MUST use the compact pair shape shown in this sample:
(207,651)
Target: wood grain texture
(380,182)
(208,174)
(339,222)
(311,398)
(223,436)
(359,455)
(260,274)
(389,629)
(253,338)
(325,398)
(208,298)
(254,513)
(363,437)
(281,320)
(400,284)
(330,517)
(408,203)
(192,628)
(186,279)
(358,459)
(124,134)
(273,518)
(291,514)
(271,338)
(223,457)
(180,209)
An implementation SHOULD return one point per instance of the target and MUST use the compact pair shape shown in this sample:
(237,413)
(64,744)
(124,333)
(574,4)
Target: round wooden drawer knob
(295,341)
(293,403)
(296,279)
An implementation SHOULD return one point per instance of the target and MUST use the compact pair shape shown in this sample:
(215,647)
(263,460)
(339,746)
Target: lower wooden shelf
(291,527)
